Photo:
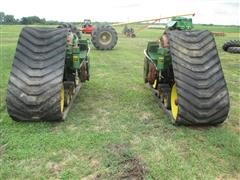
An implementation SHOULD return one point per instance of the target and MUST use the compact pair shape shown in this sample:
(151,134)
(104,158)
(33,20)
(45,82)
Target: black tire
(75,30)
(235,50)
(201,88)
(231,43)
(72,27)
(101,31)
(64,25)
(36,78)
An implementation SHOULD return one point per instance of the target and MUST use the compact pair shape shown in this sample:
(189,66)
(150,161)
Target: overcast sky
(207,11)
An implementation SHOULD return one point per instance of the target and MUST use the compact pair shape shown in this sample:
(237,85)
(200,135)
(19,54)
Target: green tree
(32,20)
(2,15)
(9,19)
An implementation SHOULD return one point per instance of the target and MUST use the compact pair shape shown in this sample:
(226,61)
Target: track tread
(36,76)
(202,92)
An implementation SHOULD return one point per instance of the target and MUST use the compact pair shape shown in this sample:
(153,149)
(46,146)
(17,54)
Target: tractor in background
(87,26)
(103,36)
(128,32)
(184,71)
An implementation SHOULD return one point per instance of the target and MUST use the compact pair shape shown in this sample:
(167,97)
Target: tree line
(10,19)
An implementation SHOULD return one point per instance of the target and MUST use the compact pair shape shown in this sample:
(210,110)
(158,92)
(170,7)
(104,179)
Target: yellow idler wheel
(174,102)
(62,99)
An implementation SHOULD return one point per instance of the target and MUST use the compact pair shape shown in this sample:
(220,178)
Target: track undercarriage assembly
(184,70)
(49,67)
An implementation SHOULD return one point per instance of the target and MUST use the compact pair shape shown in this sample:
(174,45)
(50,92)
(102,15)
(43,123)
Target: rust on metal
(152,73)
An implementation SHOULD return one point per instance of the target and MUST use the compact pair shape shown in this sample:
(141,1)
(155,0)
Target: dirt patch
(128,165)
(132,168)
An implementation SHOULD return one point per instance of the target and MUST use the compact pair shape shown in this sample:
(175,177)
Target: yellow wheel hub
(62,99)
(174,102)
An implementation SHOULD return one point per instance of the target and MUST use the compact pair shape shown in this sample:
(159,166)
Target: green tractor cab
(180,23)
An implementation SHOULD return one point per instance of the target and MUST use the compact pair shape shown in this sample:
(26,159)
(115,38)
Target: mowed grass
(115,129)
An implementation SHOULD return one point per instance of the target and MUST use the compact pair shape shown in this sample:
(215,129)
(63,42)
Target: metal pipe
(156,19)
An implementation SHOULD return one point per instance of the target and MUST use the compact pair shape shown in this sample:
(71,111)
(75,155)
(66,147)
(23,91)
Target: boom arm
(156,19)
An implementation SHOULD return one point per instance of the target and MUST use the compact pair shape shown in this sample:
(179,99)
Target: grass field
(115,129)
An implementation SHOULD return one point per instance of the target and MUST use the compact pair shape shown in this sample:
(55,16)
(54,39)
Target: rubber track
(202,92)
(37,74)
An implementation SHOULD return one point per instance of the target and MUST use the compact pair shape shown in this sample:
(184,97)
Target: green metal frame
(161,56)
(158,55)
(180,23)
(76,53)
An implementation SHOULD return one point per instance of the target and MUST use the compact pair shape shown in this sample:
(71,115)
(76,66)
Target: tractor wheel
(231,43)
(35,88)
(72,27)
(104,37)
(133,35)
(234,50)
(64,25)
(199,95)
